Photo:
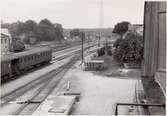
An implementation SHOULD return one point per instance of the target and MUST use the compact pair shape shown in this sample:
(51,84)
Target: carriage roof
(27,52)
(31,51)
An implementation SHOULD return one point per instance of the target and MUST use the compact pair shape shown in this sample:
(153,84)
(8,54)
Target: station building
(154,62)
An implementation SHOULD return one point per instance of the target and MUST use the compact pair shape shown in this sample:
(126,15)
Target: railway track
(23,89)
(73,53)
(48,83)
(30,106)
(33,69)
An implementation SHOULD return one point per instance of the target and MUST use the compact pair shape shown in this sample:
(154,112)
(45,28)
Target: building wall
(5,44)
(154,63)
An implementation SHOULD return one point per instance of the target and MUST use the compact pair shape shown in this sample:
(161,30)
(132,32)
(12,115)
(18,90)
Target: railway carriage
(6,66)
(33,57)
(15,63)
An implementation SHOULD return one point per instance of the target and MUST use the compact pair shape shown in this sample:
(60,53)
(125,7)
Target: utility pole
(101,20)
(82,53)
(99,40)
(88,41)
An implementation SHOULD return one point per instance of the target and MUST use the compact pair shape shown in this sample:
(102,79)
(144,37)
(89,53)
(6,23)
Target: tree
(30,26)
(117,42)
(59,32)
(46,30)
(129,49)
(46,23)
(17,28)
(74,32)
(121,28)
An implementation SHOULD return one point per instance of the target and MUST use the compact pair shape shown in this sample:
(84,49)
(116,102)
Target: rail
(138,104)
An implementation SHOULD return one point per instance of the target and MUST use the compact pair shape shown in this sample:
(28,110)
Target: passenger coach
(16,63)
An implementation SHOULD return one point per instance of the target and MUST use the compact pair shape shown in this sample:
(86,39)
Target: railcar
(6,70)
(32,57)
(16,63)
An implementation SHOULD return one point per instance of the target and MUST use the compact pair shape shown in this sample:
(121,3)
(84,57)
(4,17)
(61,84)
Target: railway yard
(63,79)
(83,57)
(66,86)
(24,93)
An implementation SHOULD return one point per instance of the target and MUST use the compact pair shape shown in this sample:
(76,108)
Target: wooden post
(82,35)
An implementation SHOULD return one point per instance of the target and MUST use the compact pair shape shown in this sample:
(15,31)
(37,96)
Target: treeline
(128,49)
(45,30)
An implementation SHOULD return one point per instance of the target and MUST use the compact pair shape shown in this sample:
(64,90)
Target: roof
(31,51)
(24,53)
(136,26)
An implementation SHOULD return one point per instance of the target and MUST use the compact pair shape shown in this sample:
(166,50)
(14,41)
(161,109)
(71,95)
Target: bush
(103,50)
(109,50)
(129,49)
(116,43)
(18,46)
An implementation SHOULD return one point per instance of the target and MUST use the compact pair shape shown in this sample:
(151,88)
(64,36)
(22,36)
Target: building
(6,41)
(154,62)
(134,28)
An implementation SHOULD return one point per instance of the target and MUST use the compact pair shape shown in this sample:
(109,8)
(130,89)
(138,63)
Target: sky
(73,13)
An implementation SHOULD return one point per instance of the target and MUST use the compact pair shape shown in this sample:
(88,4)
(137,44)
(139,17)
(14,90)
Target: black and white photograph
(83,57)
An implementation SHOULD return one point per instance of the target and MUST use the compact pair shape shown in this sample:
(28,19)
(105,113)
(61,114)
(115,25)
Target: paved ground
(99,93)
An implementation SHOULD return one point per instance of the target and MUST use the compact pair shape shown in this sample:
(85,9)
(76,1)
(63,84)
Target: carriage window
(5,40)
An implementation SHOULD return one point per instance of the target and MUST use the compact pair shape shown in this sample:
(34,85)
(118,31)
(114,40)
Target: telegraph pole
(88,41)
(82,53)
(99,40)
(101,20)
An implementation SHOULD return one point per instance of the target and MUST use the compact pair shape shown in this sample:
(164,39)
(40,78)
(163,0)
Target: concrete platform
(56,105)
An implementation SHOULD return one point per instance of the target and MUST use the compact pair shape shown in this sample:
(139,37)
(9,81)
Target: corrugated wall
(154,63)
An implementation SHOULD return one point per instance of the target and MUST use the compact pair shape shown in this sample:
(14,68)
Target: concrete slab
(56,105)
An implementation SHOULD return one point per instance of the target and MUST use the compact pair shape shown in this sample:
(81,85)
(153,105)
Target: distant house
(6,41)
(135,28)
(139,30)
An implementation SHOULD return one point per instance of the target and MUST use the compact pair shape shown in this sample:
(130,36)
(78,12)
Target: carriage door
(15,66)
